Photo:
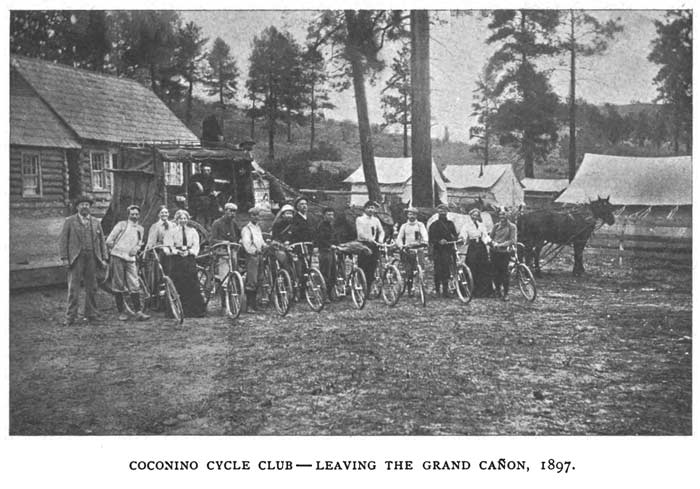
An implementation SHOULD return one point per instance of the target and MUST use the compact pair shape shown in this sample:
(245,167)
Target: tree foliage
(396,98)
(673,50)
(526,119)
(221,76)
(189,54)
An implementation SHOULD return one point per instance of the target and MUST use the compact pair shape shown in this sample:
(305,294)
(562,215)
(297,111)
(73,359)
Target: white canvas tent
(498,185)
(395,179)
(632,181)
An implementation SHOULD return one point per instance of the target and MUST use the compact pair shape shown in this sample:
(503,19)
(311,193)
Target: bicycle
(156,294)
(275,282)
(231,284)
(522,274)
(417,270)
(354,279)
(461,280)
(388,281)
(311,282)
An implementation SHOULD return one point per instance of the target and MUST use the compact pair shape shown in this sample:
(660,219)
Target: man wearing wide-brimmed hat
(412,232)
(441,231)
(82,246)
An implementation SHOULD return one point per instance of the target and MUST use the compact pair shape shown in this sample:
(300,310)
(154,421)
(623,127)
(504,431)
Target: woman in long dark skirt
(475,235)
(182,269)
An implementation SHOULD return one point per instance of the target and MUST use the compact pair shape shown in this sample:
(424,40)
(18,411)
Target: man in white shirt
(411,232)
(253,244)
(370,232)
(124,242)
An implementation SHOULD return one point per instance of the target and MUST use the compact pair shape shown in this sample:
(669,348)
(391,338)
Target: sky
(458,52)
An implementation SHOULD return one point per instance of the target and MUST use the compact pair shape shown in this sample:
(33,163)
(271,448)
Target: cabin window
(99,164)
(31,175)
(173,173)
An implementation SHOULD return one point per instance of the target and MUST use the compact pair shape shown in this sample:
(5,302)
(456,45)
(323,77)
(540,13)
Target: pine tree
(396,98)
(222,73)
(189,55)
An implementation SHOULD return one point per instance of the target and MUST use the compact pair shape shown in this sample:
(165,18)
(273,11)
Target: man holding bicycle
(370,232)
(325,240)
(411,233)
(254,245)
(123,243)
(441,231)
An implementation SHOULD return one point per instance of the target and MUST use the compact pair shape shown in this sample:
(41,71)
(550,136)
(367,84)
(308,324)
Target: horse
(564,226)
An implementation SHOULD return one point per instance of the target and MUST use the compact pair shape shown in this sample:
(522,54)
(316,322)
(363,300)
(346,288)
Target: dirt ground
(608,353)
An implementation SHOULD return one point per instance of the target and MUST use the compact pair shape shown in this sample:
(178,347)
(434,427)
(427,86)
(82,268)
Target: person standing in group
(82,246)
(412,232)
(201,189)
(224,229)
(370,232)
(504,237)
(158,230)
(183,246)
(476,237)
(441,231)
(283,232)
(325,239)
(124,243)
(302,230)
(254,245)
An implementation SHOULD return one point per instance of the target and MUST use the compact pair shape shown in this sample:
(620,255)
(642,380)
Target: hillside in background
(337,146)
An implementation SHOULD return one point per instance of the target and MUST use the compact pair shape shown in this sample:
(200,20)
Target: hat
(84,198)
(442,207)
(285,208)
(299,199)
(369,203)
(132,207)
(254,211)
(231,206)
(411,209)
(475,211)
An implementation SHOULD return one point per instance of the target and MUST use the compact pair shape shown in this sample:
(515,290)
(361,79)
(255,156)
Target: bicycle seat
(417,246)
(353,248)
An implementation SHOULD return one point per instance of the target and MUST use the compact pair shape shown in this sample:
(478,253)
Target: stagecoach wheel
(526,282)
(391,289)
(419,285)
(234,295)
(205,283)
(465,283)
(315,289)
(173,300)
(358,288)
(282,292)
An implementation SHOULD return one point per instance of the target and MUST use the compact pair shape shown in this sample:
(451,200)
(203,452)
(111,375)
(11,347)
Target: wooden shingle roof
(102,107)
(33,124)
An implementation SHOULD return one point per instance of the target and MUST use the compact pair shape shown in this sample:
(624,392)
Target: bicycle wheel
(338,288)
(234,295)
(419,285)
(377,284)
(315,289)
(358,287)
(397,264)
(391,289)
(282,292)
(205,283)
(266,283)
(464,282)
(173,300)
(526,282)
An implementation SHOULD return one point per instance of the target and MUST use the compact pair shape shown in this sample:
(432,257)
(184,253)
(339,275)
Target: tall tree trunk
(313,118)
(358,81)
(572,103)
(421,149)
(270,129)
(188,110)
(405,125)
(252,122)
(289,125)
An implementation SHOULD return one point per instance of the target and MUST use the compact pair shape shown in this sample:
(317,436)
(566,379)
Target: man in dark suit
(82,246)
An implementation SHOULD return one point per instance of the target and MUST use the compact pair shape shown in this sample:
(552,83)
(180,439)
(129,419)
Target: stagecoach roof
(632,180)
(467,176)
(549,185)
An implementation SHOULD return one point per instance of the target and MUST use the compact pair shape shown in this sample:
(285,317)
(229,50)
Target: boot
(136,301)
(119,299)
(251,301)
(445,290)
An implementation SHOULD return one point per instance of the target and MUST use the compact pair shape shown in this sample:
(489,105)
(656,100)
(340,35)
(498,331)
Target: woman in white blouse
(476,236)
(182,243)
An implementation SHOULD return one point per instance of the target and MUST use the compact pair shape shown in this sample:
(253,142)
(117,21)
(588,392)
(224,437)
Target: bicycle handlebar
(220,244)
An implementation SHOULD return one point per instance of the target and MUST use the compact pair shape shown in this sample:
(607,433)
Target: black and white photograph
(341,223)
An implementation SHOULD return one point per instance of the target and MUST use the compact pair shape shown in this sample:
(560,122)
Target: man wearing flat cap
(124,243)
(440,232)
(82,246)
(412,232)
(225,227)
(253,244)
(370,232)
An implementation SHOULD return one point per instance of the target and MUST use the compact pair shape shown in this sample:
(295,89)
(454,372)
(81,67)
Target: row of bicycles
(221,274)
